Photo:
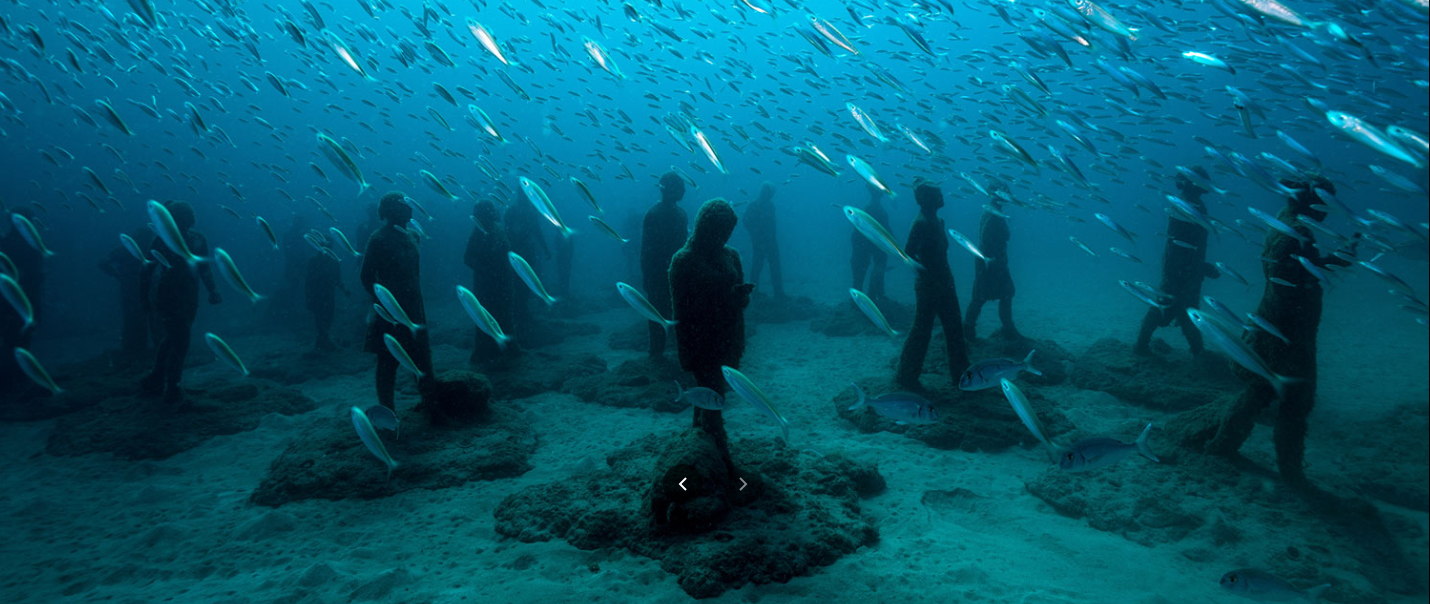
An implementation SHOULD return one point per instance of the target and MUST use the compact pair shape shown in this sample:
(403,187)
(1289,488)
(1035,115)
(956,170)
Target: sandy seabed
(96,528)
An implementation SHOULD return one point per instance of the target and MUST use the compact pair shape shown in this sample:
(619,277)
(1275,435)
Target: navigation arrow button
(743,484)
(681,484)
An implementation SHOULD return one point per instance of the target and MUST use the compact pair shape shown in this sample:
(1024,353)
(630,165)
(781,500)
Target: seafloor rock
(1387,456)
(287,364)
(550,332)
(144,428)
(1050,358)
(533,372)
(85,384)
(770,309)
(844,320)
(329,462)
(807,515)
(1171,381)
(460,397)
(635,336)
(643,382)
(970,421)
(1209,505)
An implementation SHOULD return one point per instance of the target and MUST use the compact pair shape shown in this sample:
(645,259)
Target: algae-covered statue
(934,293)
(707,286)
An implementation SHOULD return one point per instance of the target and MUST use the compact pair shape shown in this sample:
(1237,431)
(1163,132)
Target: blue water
(756,88)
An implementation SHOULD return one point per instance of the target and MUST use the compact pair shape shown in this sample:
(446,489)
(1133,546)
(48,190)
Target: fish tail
(915,264)
(679,391)
(1314,594)
(1143,447)
(501,342)
(784,428)
(863,400)
(1027,363)
(1280,382)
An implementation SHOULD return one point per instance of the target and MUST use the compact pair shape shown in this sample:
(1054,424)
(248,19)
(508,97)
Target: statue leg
(916,345)
(1239,419)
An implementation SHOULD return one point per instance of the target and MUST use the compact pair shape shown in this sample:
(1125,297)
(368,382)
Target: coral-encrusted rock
(329,462)
(967,421)
(1174,382)
(460,397)
(643,383)
(144,428)
(533,372)
(807,515)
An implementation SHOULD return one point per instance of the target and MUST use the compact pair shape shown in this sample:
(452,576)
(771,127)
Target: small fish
(866,122)
(398,352)
(1208,60)
(1116,228)
(1082,246)
(394,308)
(1230,272)
(266,230)
(1125,254)
(543,204)
(968,245)
(222,350)
(991,372)
(343,239)
(528,276)
(902,407)
(710,154)
(587,194)
(35,371)
(701,397)
(368,434)
(383,418)
(30,234)
(1143,295)
(479,315)
(877,234)
(1024,410)
(754,396)
(607,229)
(168,231)
(643,306)
(866,172)
(132,247)
(866,305)
(1262,586)
(1266,326)
(15,295)
(229,271)
(1238,350)
(1100,452)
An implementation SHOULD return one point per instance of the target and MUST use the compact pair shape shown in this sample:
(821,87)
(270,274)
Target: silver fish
(991,372)
(902,407)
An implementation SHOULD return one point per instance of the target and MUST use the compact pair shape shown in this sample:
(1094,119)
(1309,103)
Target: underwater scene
(656,301)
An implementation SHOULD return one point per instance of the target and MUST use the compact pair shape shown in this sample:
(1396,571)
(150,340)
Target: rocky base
(806,515)
(638,383)
(1217,509)
(529,373)
(967,421)
(131,427)
(767,308)
(1167,380)
(845,320)
(329,461)
(87,383)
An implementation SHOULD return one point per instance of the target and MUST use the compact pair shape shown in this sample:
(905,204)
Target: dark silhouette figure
(760,222)
(865,254)
(1183,270)
(493,281)
(992,280)
(284,308)
(125,269)
(934,293)
(391,259)
(523,230)
(322,281)
(708,286)
(662,235)
(30,274)
(172,294)
(1296,311)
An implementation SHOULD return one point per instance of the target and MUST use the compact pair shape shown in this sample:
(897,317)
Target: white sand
(94,528)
